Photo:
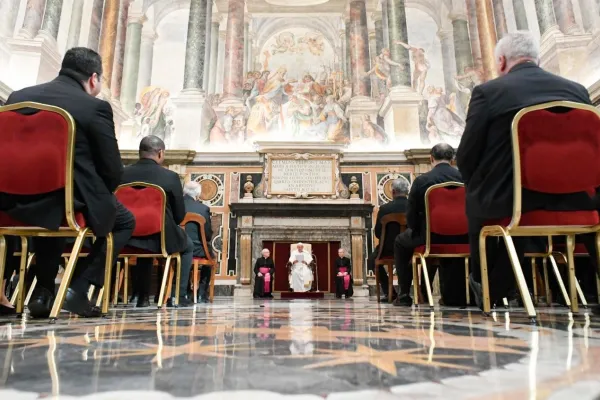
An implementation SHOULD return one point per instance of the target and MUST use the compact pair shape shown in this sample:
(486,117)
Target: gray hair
(400,187)
(518,45)
(192,189)
(263,251)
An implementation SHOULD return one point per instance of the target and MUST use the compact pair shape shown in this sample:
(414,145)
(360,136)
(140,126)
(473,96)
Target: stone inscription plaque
(291,176)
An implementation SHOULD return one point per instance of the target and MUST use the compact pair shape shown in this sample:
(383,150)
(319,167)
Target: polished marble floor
(319,349)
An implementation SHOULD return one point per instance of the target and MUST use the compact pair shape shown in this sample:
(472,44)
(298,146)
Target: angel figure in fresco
(382,70)
(314,42)
(373,131)
(332,120)
(442,122)
(285,42)
(421,66)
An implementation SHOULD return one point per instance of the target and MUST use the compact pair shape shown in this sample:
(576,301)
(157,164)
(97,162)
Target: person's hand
(259,274)
(304,262)
(339,274)
(295,261)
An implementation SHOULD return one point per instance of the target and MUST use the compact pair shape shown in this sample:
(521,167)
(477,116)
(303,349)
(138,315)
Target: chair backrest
(556,148)
(38,143)
(445,211)
(147,203)
(307,247)
(391,226)
(192,218)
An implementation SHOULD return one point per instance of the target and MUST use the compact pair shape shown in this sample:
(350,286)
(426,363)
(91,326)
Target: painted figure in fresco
(442,122)
(155,113)
(373,131)
(313,41)
(300,113)
(229,128)
(346,94)
(285,43)
(421,66)
(382,70)
(472,77)
(332,120)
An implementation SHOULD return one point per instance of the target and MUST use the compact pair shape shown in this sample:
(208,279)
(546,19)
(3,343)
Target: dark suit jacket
(485,153)
(192,229)
(398,205)
(148,171)
(415,211)
(97,164)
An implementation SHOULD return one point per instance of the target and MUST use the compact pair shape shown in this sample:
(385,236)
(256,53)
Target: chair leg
(22,272)
(484,273)
(126,279)
(117,284)
(213,274)
(547,282)
(101,297)
(31,289)
(581,295)
(178,278)
(66,280)
(13,298)
(377,289)
(559,279)
(196,280)
(415,279)
(163,286)
(3,257)
(518,271)
(598,265)
(427,284)
(90,291)
(391,283)
(534,279)
(468,292)
(571,269)
(107,273)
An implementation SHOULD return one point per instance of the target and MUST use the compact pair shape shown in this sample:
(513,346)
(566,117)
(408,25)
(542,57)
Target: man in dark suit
(485,153)
(441,156)
(191,197)
(396,206)
(97,173)
(149,170)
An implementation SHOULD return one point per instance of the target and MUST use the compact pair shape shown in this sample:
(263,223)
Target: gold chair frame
(168,273)
(71,230)
(418,259)
(514,229)
(400,219)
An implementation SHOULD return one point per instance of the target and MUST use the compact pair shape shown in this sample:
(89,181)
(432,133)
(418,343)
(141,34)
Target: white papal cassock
(301,276)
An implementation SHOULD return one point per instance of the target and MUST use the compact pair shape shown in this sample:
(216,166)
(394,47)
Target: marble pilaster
(32,21)
(546,18)
(385,24)
(246,45)
(565,16)
(348,63)
(9,10)
(95,25)
(343,61)
(473,31)
(487,37)
(372,53)
(146,56)
(207,46)
(520,15)
(117,77)
(75,24)
(251,47)
(448,59)
(590,15)
(234,51)
(214,56)
(220,75)
(51,20)
(500,18)
(359,49)
(131,60)
(108,38)
(398,32)
(462,48)
(195,44)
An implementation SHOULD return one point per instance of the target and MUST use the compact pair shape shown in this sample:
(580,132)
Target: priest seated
(301,275)
(343,278)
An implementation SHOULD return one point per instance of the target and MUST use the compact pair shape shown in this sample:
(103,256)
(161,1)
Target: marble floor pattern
(304,349)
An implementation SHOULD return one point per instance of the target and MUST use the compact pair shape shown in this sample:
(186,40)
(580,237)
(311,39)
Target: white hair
(341,249)
(263,251)
(192,189)
(518,45)
(400,186)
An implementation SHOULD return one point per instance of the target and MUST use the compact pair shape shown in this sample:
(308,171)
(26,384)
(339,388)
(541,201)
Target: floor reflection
(309,347)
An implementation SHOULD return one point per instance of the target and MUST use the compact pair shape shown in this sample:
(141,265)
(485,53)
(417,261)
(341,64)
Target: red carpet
(305,295)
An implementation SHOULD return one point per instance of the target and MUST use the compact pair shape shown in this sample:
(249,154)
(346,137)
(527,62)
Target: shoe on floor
(403,300)
(477,291)
(184,301)
(5,310)
(79,304)
(40,303)
(143,302)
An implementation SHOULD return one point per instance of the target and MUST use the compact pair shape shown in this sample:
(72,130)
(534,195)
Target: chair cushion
(445,249)
(553,218)
(6,221)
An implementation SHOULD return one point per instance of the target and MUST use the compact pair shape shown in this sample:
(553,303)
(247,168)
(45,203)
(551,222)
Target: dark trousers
(500,272)
(339,287)
(204,283)
(383,276)
(90,269)
(404,246)
(142,272)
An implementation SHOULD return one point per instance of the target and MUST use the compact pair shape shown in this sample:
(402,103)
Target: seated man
(97,172)
(484,156)
(396,206)
(343,277)
(149,170)
(191,198)
(301,276)
(441,156)
(264,268)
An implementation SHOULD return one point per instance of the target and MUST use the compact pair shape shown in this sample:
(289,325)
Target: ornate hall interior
(295,117)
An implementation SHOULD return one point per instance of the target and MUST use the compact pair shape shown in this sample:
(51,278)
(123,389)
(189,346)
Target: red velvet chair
(445,216)
(387,261)
(553,153)
(148,204)
(38,150)
(208,261)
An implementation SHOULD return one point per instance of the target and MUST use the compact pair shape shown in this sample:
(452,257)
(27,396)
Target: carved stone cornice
(172,157)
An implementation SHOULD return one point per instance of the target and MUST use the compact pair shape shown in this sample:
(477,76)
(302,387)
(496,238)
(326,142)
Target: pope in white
(301,276)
